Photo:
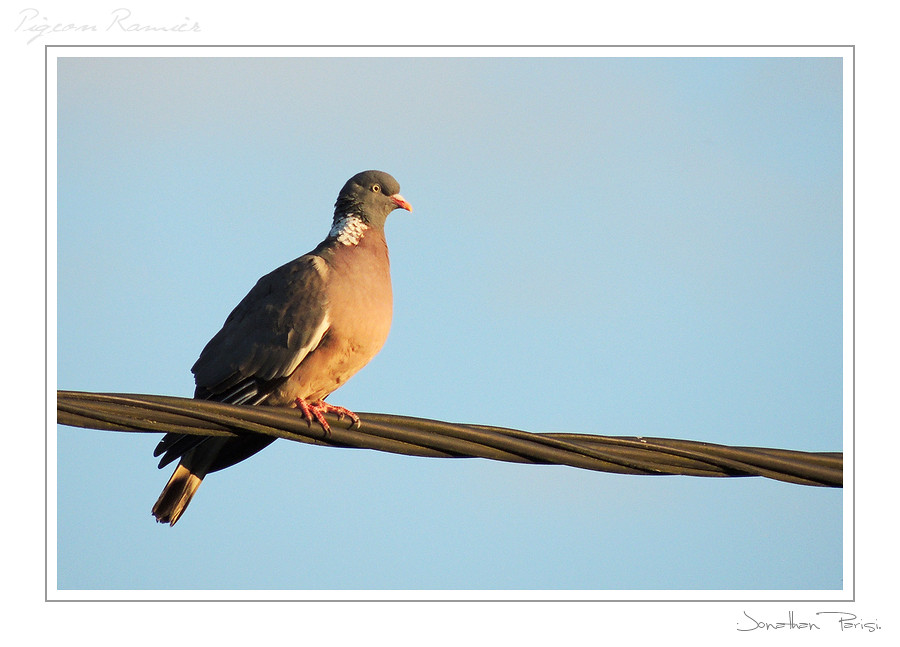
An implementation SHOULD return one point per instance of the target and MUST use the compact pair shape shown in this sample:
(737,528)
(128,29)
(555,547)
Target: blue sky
(623,246)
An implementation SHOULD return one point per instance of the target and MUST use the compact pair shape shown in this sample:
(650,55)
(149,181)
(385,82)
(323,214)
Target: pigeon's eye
(376,188)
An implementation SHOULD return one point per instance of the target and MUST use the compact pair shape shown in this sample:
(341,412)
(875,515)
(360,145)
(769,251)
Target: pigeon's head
(370,196)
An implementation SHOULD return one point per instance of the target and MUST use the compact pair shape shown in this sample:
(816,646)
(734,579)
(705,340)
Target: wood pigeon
(300,333)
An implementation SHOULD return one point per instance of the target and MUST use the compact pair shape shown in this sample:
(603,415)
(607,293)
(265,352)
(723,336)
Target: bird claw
(316,410)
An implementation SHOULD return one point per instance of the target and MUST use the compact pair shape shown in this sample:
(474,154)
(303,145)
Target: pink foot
(318,408)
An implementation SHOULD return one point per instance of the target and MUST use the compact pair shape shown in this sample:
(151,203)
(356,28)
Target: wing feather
(280,321)
(264,339)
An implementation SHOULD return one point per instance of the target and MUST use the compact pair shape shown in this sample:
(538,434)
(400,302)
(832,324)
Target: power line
(433,438)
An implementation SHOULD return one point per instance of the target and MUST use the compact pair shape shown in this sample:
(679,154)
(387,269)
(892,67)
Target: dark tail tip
(176,496)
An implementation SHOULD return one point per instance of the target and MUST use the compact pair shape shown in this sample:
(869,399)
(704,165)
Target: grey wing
(280,321)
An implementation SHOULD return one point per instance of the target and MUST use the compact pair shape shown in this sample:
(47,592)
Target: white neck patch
(348,229)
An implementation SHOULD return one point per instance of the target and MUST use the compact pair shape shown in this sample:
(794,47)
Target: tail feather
(176,496)
(187,477)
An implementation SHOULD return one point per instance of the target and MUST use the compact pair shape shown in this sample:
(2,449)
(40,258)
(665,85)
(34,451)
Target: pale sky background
(622,246)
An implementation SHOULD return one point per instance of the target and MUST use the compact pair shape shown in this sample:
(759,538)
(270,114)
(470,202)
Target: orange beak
(401,202)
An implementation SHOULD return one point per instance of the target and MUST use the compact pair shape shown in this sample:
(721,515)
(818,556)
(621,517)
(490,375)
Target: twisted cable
(433,438)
